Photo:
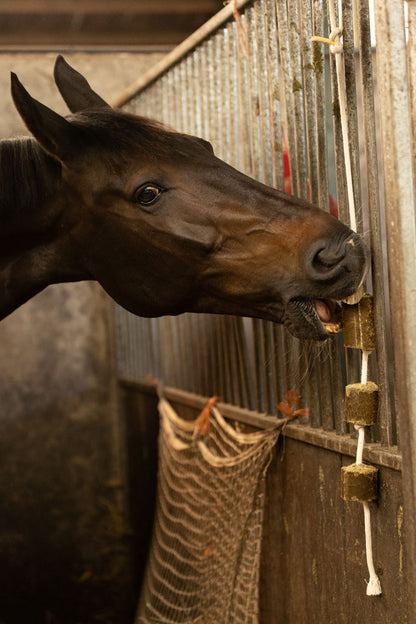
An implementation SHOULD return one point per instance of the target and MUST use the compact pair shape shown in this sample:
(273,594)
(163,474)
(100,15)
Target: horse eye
(147,194)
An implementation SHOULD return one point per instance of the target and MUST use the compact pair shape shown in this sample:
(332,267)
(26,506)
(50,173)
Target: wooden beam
(99,7)
(329,440)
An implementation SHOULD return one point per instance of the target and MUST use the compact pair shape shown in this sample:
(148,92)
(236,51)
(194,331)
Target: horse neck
(33,251)
(28,182)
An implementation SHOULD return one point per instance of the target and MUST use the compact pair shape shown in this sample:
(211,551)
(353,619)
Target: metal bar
(342,198)
(297,86)
(411,56)
(231,58)
(263,91)
(238,102)
(273,76)
(318,64)
(253,96)
(399,192)
(351,91)
(343,445)
(308,71)
(178,53)
(377,230)
(287,89)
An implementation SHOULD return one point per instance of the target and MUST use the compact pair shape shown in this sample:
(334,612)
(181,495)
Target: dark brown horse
(159,221)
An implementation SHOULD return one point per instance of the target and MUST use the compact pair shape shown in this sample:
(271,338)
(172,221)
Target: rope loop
(336,46)
(334,40)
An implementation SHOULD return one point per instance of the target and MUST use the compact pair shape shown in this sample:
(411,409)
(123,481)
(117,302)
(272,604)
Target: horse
(160,222)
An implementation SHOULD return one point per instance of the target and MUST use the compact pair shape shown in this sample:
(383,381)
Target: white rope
(373,585)
(360,444)
(336,47)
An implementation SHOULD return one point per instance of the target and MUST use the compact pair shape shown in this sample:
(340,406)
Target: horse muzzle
(336,270)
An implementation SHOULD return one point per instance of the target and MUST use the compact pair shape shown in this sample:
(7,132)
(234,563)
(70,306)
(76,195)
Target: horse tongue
(323,311)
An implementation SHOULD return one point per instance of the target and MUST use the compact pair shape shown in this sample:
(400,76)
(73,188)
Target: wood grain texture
(313,552)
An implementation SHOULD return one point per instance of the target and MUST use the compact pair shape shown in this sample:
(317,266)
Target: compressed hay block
(359,482)
(361,403)
(358,323)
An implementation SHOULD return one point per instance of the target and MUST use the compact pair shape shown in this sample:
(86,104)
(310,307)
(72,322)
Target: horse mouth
(315,319)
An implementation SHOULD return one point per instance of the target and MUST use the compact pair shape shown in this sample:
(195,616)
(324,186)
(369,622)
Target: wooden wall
(313,562)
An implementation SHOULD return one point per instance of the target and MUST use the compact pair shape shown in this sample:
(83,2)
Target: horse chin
(305,318)
(313,319)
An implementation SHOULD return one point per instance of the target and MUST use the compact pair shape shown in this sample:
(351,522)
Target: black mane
(27,177)
(114,131)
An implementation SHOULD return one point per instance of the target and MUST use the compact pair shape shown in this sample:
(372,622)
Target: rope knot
(336,46)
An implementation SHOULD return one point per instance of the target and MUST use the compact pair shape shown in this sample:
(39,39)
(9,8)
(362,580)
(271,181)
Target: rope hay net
(204,558)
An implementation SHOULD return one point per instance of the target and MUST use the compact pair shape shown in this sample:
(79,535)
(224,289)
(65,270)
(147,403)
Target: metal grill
(258,91)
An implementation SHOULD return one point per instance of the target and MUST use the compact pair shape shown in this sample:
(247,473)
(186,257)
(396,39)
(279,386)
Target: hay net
(204,559)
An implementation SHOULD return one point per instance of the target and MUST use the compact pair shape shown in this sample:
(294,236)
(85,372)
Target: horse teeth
(333,328)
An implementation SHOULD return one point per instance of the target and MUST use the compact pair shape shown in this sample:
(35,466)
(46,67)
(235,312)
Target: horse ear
(74,89)
(54,133)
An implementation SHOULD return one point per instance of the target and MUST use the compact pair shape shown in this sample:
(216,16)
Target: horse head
(167,227)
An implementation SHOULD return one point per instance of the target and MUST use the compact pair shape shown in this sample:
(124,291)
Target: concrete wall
(65,543)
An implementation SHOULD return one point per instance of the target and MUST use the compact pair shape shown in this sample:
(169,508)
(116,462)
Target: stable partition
(254,84)
(265,96)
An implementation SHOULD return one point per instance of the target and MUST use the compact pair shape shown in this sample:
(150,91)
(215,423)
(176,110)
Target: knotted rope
(336,47)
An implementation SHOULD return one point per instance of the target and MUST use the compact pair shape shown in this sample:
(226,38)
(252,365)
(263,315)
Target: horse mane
(115,131)
(27,177)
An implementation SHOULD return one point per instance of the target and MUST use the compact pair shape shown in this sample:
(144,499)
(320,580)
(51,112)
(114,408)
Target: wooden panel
(313,567)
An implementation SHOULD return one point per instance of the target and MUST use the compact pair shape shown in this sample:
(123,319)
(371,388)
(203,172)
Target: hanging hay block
(361,403)
(359,482)
(204,559)
(358,323)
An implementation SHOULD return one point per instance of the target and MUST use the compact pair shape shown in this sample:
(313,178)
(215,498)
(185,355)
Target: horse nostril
(328,257)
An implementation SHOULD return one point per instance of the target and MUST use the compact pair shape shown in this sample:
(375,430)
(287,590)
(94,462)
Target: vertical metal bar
(318,62)
(350,84)
(217,93)
(298,98)
(269,351)
(263,92)
(226,85)
(288,97)
(212,112)
(254,102)
(411,58)
(218,371)
(245,156)
(241,347)
(190,95)
(308,70)
(259,365)
(399,191)
(342,198)
(274,91)
(197,81)
(206,102)
(377,229)
(231,58)
(209,325)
